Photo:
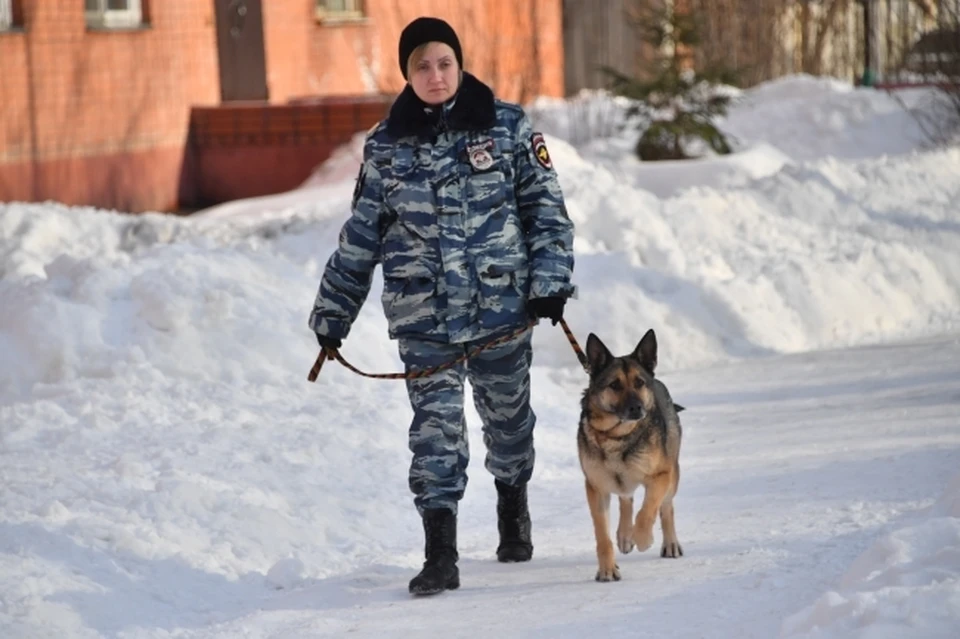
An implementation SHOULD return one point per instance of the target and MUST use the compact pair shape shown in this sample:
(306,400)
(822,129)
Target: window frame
(354,14)
(105,18)
(7,17)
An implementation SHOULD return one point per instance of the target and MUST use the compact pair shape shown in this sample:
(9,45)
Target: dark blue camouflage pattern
(500,380)
(461,247)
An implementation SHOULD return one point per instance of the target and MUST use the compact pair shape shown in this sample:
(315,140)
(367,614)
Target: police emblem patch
(540,151)
(479,155)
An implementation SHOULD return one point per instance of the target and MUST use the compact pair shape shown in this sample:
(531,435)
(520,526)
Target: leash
(334,353)
(575,346)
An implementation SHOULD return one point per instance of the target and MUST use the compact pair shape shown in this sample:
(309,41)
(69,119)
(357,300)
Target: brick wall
(288,26)
(514,45)
(102,117)
(16,132)
(245,150)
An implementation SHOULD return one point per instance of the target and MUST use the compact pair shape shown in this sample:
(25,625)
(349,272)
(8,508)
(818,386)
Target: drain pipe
(31,103)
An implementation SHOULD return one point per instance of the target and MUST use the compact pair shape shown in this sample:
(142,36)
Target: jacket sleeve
(543,214)
(349,271)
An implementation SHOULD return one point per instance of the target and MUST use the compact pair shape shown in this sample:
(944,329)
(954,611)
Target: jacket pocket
(502,292)
(486,190)
(410,300)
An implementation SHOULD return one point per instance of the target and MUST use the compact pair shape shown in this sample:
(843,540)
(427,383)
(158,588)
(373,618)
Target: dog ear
(646,351)
(597,353)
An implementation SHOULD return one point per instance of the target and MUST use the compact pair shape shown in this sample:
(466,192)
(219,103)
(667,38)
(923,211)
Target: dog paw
(609,574)
(643,539)
(671,549)
(625,541)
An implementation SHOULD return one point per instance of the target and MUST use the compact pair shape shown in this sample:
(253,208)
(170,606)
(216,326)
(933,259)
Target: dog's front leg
(625,527)
(655,489)
(599,504)
(671,545)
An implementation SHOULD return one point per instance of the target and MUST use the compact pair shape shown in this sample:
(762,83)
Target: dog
(629,436)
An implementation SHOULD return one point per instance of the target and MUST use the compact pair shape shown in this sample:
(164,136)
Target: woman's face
(435,77)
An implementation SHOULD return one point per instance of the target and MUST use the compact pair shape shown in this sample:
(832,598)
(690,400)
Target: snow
(167,471)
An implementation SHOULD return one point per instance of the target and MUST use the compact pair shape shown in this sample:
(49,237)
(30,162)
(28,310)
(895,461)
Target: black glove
(548,307)
(325,342)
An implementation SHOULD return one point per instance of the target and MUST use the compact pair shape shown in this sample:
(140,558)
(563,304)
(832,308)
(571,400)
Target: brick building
(155,104)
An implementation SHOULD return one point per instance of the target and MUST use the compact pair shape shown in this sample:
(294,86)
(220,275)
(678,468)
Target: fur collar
(473,110)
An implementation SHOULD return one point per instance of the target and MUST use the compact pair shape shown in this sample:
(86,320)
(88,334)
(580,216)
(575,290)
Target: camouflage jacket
(462,209)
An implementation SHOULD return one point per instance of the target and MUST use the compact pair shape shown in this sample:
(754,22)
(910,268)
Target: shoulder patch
(540,150)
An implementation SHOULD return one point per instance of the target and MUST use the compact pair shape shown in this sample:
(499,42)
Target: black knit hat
(423,30)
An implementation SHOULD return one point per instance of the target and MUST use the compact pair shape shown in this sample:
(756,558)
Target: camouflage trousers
(500,380)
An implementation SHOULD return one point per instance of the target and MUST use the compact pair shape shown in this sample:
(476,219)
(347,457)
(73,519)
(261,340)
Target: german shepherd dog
(629,436)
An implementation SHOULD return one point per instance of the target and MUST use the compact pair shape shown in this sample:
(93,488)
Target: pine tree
(678,104)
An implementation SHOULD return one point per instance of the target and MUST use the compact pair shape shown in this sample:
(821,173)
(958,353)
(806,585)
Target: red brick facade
(244,150)
(102,117)
(99,117)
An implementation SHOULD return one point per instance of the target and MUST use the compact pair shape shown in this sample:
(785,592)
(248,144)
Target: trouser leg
(500,379)
(438,431)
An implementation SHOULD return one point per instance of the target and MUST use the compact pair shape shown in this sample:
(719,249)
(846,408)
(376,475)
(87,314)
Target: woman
(458,202)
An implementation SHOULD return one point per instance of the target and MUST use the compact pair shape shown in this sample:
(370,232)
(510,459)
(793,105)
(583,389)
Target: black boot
(513,522)
(440,570)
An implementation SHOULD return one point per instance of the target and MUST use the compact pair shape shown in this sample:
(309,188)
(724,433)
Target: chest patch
(480,155)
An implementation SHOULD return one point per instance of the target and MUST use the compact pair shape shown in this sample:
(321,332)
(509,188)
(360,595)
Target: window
(6,14)
(339,10)
(112,14)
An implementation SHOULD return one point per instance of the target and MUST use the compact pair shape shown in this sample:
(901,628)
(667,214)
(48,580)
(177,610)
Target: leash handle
(317,365)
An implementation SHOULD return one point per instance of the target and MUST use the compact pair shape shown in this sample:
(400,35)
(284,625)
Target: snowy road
(792,468)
